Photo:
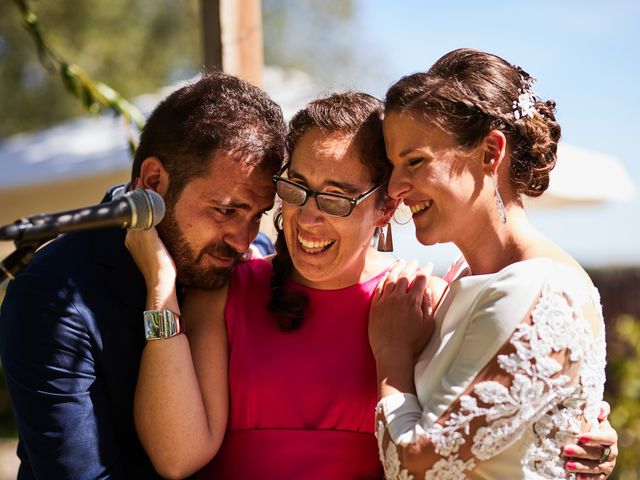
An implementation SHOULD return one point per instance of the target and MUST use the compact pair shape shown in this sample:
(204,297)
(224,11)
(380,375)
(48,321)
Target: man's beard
(190,271)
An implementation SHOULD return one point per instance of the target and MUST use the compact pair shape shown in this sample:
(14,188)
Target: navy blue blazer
(71,338)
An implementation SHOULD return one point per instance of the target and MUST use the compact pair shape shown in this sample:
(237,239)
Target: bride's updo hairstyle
(467,93)
(352,114)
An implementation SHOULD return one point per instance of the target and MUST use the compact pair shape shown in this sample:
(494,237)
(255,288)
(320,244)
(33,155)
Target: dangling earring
(389,243)
(402,214)
(501,211)
(380,246)
(385,244)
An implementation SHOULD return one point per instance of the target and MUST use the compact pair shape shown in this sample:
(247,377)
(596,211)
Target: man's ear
(154,176)
(387,210)
(494,147)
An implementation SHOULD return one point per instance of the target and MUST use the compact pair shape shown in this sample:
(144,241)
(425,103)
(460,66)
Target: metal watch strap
(161,324)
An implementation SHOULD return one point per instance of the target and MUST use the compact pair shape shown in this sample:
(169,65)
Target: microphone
(139,209)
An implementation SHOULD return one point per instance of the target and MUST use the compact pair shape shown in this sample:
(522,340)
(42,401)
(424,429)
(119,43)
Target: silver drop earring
(501,211)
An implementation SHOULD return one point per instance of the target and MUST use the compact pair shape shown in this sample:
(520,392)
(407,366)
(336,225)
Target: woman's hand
(157,268)
(594,456)
(401,315)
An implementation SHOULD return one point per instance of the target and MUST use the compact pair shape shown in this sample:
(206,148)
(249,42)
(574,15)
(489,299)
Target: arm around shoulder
(181,401)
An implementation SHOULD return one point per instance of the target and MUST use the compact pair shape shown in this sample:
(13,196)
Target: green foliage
(623,393)
(139,46)
(95,96)
(134,46)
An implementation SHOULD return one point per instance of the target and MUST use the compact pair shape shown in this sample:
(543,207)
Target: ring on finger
(605,454)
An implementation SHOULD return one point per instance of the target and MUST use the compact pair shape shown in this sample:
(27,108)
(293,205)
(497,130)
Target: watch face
(161,324)
(152,322)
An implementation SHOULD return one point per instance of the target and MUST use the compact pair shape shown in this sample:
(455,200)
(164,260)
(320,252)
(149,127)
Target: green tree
(138,46)
(134,46)
(623,393)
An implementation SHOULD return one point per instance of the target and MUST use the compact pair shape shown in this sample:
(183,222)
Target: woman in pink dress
(277,364)
(289,333)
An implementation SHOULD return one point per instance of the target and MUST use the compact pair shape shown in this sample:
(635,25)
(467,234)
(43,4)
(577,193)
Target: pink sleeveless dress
(301,402)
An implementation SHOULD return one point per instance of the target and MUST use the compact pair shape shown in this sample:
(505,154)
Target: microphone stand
(20,258)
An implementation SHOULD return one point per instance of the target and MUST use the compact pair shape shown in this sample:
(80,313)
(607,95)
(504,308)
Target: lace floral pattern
(545,396)
(449,468)
(389,458)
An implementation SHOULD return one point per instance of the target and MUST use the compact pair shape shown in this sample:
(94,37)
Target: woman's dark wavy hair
(467,93)
(352,114)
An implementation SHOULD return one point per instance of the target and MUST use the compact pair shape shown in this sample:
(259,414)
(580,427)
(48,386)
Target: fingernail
(571,465)
(568,451)
(585,438)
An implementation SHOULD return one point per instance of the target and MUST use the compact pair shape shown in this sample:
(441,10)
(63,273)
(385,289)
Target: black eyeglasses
(332,204)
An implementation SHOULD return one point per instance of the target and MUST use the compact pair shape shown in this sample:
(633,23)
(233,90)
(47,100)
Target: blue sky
(585,55)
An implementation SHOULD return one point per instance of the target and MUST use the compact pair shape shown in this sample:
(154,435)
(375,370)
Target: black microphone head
(147,208)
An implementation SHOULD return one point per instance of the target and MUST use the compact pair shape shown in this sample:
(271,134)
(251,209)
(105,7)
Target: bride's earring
(501,210)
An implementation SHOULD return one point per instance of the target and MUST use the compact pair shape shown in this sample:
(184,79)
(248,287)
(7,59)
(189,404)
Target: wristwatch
(161,324)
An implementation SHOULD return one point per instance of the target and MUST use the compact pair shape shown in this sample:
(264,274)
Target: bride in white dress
(514,369)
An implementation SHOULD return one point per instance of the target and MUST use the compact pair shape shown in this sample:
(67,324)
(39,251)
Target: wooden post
(212,40)
(233,37)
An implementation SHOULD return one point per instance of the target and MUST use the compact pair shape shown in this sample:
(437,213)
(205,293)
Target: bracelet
(161,324)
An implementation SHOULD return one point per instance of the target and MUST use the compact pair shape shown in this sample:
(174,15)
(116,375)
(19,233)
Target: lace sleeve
(545,382)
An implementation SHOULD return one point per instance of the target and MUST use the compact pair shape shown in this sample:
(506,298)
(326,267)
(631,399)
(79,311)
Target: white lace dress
(514,371)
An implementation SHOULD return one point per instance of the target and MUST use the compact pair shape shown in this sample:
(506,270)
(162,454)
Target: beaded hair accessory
(525,104)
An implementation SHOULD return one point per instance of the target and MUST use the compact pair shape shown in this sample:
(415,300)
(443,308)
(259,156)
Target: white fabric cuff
(403,414)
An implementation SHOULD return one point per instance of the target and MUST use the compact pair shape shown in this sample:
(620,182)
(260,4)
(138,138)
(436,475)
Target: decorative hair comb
(525,104)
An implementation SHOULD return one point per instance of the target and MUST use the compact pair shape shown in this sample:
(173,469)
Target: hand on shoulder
(401,315)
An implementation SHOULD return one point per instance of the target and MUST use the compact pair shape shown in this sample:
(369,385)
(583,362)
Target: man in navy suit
(71,326)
